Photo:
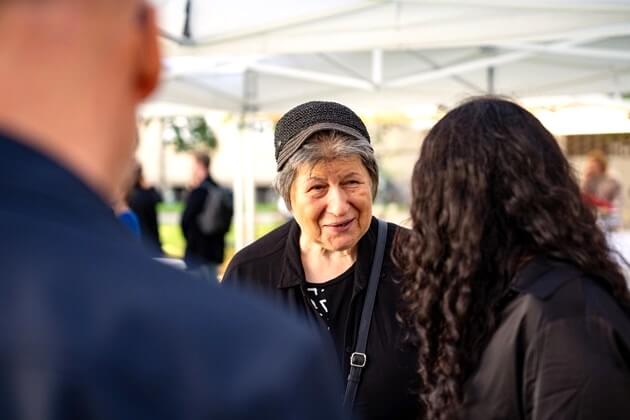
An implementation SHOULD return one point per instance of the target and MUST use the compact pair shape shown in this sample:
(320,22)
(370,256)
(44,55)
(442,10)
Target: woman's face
(332,203)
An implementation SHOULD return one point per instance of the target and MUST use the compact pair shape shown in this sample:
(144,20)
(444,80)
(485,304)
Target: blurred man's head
(596,163)
(201,166)
(72,73)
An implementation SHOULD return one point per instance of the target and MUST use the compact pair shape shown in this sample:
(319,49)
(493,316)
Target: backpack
(218,208)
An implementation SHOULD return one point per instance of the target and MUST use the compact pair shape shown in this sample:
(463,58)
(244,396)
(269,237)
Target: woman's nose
(337,201)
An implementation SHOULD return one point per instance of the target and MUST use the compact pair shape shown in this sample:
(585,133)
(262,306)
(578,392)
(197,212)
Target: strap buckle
(358,359)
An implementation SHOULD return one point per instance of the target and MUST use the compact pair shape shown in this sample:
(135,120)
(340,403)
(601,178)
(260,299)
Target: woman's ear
(149,65)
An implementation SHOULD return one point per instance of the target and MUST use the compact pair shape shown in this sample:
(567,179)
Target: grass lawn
(178,207)
(174,207)
(173,242)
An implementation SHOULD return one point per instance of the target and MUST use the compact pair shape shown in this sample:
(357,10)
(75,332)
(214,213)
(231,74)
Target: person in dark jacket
(318,264)
(204,252)
(511,292)
(90,327)
(143,200)
(120,202)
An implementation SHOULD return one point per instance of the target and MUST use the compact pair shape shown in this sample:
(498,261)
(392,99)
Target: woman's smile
(340,227)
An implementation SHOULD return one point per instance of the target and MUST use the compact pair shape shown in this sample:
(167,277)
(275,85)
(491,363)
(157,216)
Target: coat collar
(292,271)
(39,186)
(292,274)
(542,276)
(208,181)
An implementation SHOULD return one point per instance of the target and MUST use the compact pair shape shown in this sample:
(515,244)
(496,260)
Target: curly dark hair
(491,189)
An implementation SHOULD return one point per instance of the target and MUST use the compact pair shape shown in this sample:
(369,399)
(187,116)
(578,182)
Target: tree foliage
(190,133)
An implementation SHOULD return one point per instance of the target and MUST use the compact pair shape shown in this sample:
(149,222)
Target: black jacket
(143,202)
(200,248)
(561,351)
(272,266)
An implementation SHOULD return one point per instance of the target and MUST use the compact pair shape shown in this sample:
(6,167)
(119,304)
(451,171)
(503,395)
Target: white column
(377,67)
(245,198)
(250,186)
(239,220)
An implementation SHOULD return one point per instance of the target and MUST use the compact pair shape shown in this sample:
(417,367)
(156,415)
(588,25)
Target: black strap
(358,359)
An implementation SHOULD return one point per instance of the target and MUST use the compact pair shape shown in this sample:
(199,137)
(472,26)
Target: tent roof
(385,54)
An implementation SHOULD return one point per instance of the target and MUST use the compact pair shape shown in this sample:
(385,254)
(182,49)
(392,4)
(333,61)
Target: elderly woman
(319,264)
(519,310)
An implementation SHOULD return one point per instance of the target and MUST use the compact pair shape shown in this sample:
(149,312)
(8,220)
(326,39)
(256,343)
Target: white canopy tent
(379,54)
(374,55)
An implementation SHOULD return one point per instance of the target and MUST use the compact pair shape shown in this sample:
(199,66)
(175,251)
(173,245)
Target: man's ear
(149,65)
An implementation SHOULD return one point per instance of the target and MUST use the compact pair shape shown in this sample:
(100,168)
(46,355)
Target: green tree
(189,133)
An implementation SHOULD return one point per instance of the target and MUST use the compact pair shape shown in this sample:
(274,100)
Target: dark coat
(272,266)
(200,248)
(143,201)
(92,328)
(561,351)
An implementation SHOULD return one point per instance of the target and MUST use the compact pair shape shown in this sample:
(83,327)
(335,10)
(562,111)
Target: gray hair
(325,146)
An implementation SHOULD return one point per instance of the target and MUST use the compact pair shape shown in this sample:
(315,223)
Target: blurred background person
(91,327)
(143,200)
(126,216)
(206,220)
(602,191)
(319,263)
(518,308)
(120,203)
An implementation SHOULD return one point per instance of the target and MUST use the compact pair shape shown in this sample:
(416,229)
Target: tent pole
(239,237)
(186,30)
(244,184)
(251,95)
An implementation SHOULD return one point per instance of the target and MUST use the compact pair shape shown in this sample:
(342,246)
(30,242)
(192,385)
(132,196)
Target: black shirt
(272,267)
(330,299)
(200,248)
(143,202)
(561,351)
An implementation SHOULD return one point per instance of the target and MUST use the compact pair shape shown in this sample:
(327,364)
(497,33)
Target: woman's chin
(342,244)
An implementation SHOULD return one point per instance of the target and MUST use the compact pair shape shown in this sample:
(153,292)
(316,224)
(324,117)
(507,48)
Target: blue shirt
(129,219)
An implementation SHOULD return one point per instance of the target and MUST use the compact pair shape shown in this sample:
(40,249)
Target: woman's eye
(316,188)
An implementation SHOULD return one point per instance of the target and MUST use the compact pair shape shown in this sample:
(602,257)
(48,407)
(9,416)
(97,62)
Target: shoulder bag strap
(358,359)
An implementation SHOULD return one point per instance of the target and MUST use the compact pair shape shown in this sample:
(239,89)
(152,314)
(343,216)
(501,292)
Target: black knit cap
(301,122)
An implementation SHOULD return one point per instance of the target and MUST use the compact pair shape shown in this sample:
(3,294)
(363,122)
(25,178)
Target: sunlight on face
(332,203)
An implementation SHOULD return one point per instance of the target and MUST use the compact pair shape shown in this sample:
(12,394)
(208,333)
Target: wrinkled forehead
(336,168)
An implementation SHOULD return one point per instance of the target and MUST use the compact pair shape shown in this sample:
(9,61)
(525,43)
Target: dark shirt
(561,351)
(143,202)
(200,248)
(92,328)
(272,267)
(329,299)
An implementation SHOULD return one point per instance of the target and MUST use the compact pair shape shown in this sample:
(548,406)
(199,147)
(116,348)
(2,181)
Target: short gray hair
(326,146)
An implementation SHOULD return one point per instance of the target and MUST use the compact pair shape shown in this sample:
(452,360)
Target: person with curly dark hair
(511,293)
